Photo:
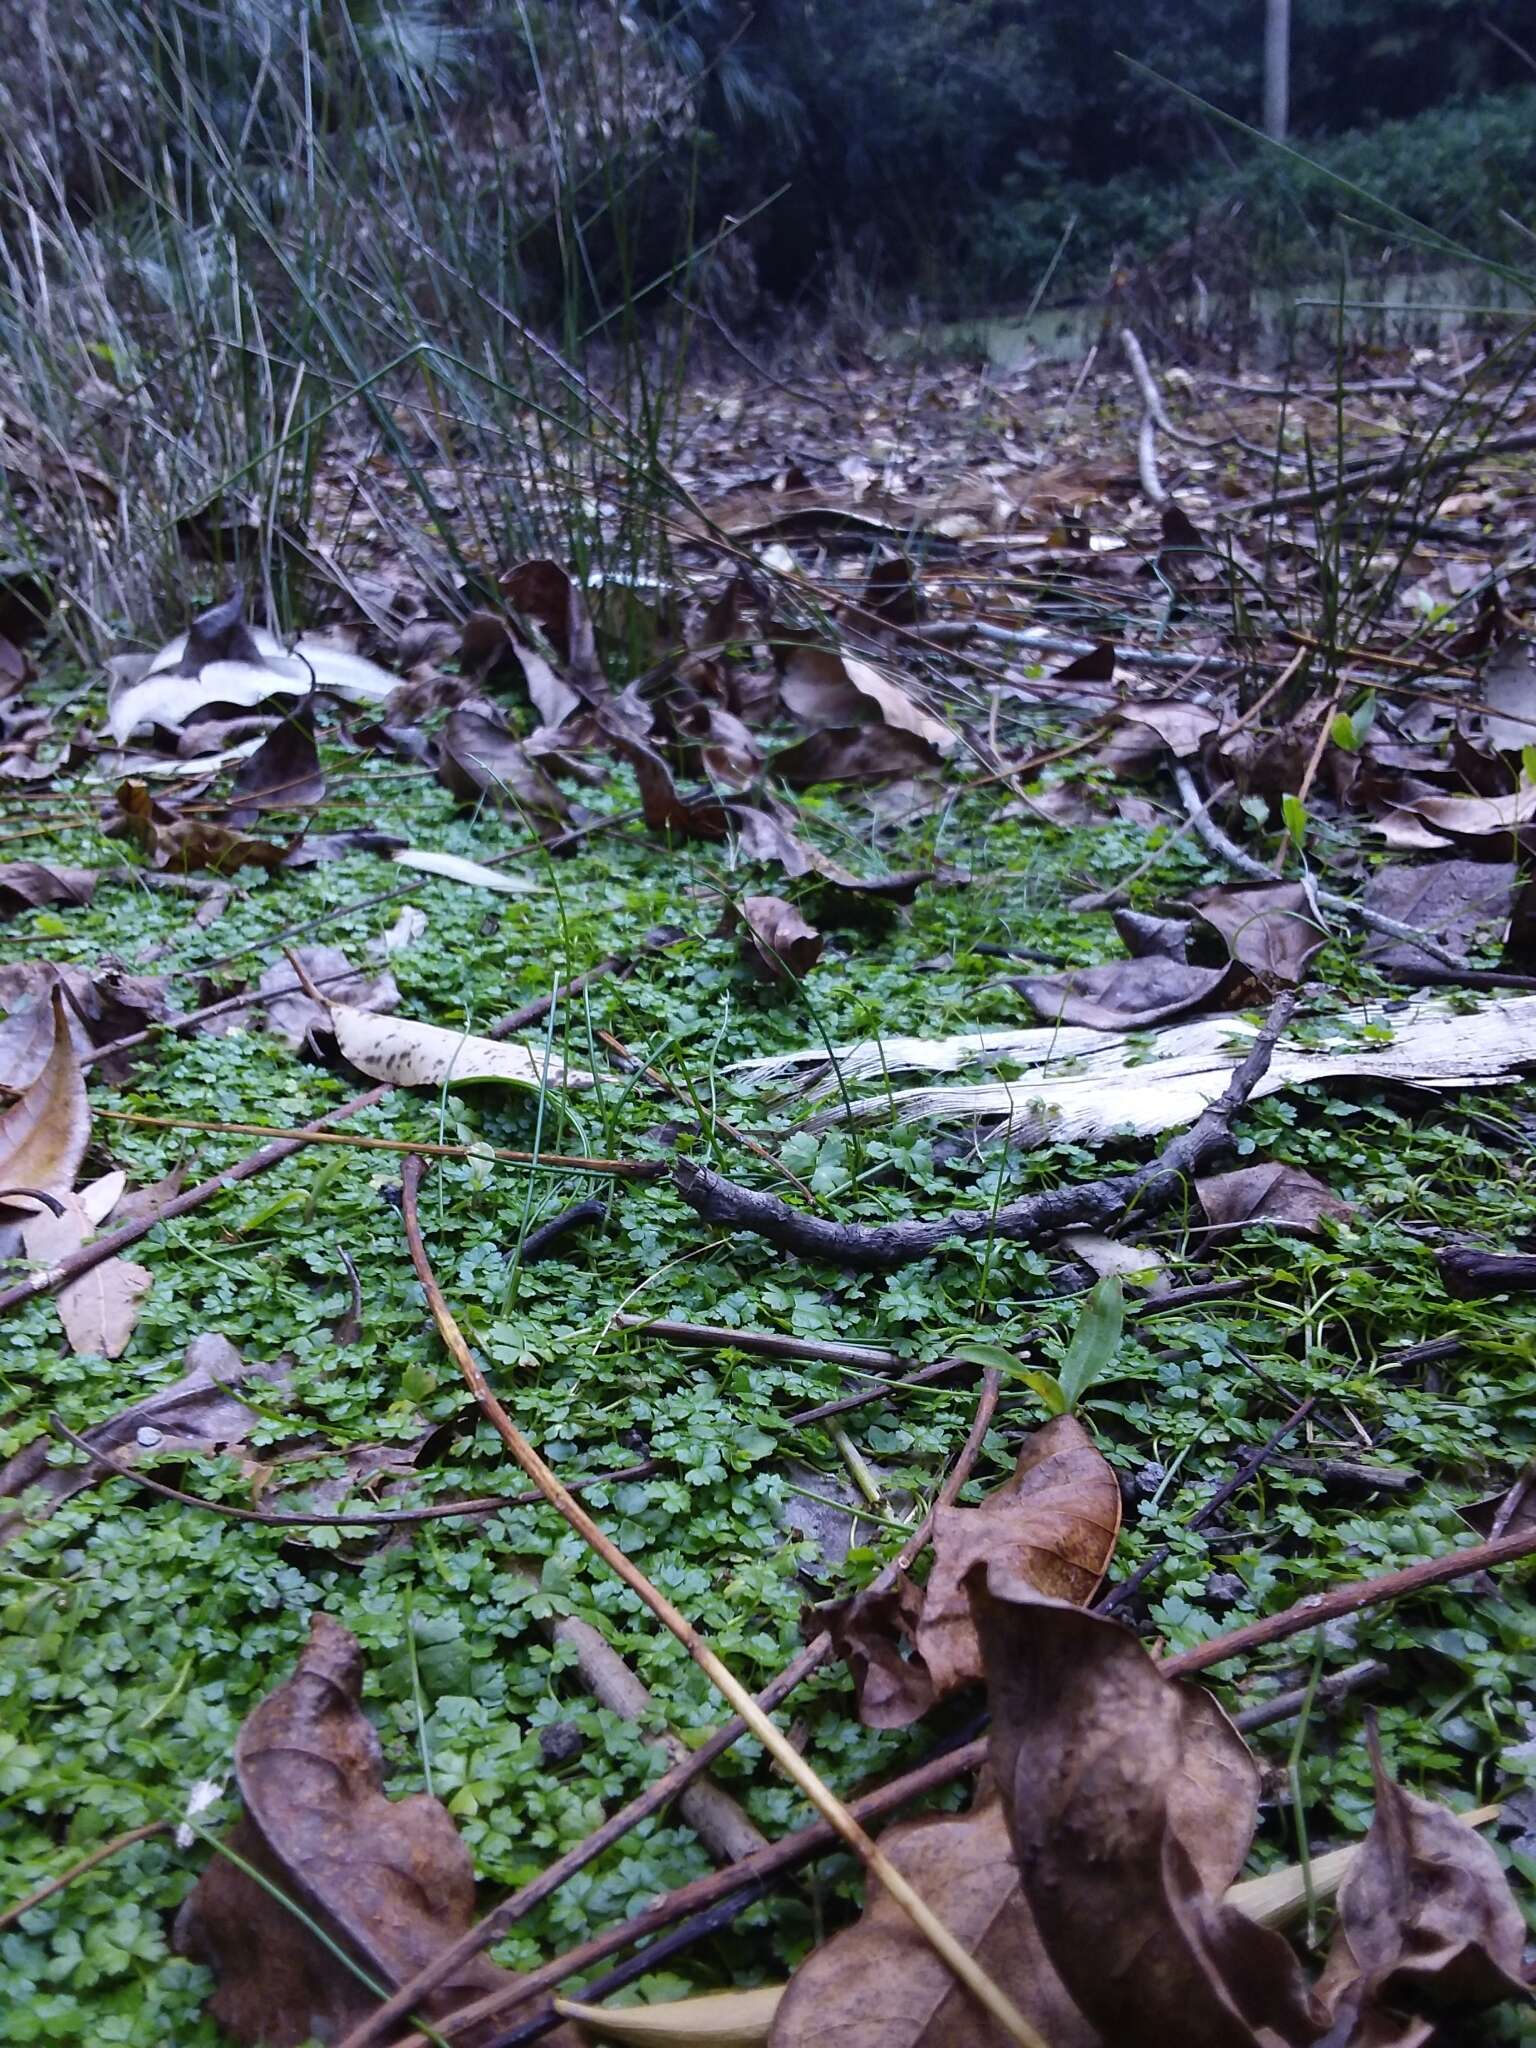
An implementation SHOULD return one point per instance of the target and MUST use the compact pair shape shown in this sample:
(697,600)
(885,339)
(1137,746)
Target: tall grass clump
(348,298)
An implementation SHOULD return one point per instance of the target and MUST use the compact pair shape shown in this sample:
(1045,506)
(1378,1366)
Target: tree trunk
(1277,68)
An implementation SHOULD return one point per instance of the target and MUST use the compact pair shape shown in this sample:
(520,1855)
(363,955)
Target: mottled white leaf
(452,867)
(415,1055)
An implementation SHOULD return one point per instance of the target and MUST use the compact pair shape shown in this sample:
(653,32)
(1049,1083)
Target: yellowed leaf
(415,1055)
(721,2019)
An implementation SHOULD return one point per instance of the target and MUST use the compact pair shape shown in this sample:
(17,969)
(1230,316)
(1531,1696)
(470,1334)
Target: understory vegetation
(756,845)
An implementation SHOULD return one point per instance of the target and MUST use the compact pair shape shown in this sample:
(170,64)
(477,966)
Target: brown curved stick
(664,1788)
(957,1959)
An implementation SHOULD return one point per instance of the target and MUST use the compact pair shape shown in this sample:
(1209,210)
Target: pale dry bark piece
(1082,1085)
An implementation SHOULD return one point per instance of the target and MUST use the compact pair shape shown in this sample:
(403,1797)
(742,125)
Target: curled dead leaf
(879,1984)
(778,943)
(1272,928)
(1269,1192)
(1049,1530)
(1125,995)
(389,1880)
(29,884)
(410,1054)
(1427,1922)
(43,1135)
(1130,1802)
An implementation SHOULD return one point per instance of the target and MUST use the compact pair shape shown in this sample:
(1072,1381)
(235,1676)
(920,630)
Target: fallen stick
(1122,1593)
(480,1504)
(556,1162)
(956,1958)
(1228,850)
(1092,1203)
(1403,470)
(815,1839)
(166,1026)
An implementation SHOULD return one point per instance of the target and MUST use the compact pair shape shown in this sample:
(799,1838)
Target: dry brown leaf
(551,598)
(852,753)
(44,1134)
(1427,1922)
(99,1309)
(198,1412)
(1130,1803)
(1453,901)
(482,758)
(1268,1192)
(1271,927)
(879,1984)
(284,772)
(28,884)
(389,1879)
(825,690)
(1125,995)
(295,1015)
(1181,728)
(1477,817)
(776,940)
(171,841)
(1050,1529)
(490,650)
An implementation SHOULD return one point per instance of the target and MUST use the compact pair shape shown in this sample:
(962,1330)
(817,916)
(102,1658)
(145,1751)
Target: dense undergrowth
(138,1633)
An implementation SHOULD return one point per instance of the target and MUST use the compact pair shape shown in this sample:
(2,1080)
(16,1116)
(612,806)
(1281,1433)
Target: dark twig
(1093,1203)
(1118,1596)
(1405,469)
(88,1862)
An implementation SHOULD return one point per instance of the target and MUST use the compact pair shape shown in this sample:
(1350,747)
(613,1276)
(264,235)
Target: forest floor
(925,723)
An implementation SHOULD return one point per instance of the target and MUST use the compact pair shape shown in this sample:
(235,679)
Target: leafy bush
(1458,169)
